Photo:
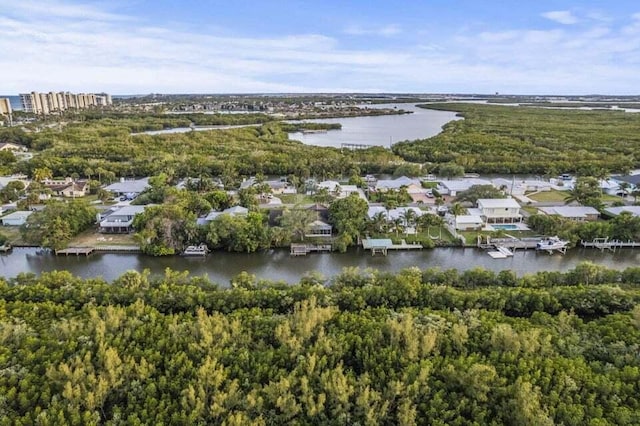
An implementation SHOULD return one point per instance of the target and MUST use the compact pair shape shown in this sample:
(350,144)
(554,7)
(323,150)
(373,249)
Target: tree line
(416,347)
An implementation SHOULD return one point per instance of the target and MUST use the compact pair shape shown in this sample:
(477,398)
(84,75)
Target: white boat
(552,244)
(201,250)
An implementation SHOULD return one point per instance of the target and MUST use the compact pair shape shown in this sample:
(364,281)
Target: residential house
(337,189)
(67,187)
(615,211)
(454,187)
(520,187)
(413,186)
(120,221)
(577,213)
(18,218)
(128,188)
(322,211)
(232,211)
(318,228)
(468,222)
(499,210)
(391,215)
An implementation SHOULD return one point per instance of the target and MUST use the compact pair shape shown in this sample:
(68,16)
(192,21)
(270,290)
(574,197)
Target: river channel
(220,267)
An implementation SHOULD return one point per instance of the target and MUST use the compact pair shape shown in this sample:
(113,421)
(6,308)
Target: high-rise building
(5,106)
(46,103)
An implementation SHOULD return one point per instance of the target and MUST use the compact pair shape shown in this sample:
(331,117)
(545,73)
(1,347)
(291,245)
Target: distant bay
(15,102)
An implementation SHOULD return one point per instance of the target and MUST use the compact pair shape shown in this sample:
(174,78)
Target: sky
(121,47)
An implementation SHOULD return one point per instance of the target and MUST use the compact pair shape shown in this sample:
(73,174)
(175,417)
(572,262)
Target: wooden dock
(304,249)
(383,245)
(605,244)
(85,251)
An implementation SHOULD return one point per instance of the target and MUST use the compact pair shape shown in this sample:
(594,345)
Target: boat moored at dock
(200,250)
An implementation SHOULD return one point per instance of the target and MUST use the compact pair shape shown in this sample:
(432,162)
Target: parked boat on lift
(552,244)
(200,250)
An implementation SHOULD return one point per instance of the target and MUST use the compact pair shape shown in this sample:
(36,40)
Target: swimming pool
(505,227)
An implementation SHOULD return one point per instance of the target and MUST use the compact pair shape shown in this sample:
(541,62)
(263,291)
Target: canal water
(220,267)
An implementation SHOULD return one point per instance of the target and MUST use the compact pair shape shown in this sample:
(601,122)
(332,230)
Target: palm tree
(379,222)
(398,224)
(458,210)
(409,216)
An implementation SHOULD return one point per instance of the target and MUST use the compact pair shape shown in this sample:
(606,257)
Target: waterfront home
(499,210)
(321,211)
(67,187)
(468,222)
(454,187)
(318,228)
(129,188)
(577,213)
(18,218)
(231,211)
(120,221)
(399,213)
(615,211)
(633,181)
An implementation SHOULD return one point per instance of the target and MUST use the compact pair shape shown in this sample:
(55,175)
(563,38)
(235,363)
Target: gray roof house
(232,211)
(128,186)
(121,220)
(578,213)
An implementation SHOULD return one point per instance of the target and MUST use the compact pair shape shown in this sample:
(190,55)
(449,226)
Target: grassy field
(13,234)
(92,238)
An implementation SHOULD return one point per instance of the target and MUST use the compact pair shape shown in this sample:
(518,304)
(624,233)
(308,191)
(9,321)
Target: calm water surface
(220,267)
(380,130)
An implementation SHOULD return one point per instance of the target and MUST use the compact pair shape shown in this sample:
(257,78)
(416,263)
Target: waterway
(220,267)
(381,130)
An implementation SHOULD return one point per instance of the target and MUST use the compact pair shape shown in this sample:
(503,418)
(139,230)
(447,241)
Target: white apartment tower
(47,103)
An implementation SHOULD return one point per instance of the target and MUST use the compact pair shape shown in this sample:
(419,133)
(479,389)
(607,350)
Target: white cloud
(563,17)
(385,31)
(110,52)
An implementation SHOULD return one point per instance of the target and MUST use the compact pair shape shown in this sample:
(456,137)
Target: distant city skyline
(544,47)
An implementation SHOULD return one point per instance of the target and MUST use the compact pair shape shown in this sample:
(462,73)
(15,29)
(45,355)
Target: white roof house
(333,187)
(499,210)
(579,213)
(453,187)
(16,218)
(393,214)
(468,221)
(395,184)
(615,211)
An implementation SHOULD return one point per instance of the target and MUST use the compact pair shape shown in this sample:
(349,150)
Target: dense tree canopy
(504,139)
(418,347)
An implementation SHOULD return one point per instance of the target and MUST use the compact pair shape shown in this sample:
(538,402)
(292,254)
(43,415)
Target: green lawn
(434,234)
(559,196)
(549,196)
(295,199)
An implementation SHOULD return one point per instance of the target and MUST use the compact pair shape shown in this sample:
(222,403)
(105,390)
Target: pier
(304,249)
(383,245)
(85,251)
(355,146)
(606,244)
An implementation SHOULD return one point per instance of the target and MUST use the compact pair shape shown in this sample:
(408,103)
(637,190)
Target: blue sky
(211,46)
